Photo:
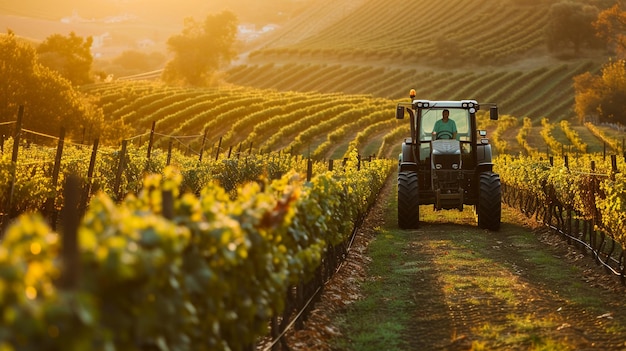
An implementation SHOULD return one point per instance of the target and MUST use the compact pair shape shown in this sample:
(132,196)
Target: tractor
(448,168)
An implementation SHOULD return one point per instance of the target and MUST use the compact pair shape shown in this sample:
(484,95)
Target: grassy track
(450,285)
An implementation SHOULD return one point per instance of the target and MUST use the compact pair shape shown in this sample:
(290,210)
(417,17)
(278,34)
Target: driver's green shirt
(449,126)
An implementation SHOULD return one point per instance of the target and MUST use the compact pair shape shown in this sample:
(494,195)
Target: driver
(445,128)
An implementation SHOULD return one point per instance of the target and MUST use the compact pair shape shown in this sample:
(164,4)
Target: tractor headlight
(438,166)
(455,166)
(472,110)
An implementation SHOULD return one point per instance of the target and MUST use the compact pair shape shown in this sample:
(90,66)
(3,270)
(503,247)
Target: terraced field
(319,125)
(486,50)
(331,76)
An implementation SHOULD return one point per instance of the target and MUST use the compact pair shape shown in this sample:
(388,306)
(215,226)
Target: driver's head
(445,114)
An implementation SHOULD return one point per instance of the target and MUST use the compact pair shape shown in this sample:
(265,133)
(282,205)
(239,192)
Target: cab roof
(445,103)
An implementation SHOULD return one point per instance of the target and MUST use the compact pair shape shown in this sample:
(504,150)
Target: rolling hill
(332,74)
(486,50)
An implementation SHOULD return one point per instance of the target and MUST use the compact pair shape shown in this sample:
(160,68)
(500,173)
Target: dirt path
(521,288)
(506,291)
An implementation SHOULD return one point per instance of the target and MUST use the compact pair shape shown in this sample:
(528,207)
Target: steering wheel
(444,134)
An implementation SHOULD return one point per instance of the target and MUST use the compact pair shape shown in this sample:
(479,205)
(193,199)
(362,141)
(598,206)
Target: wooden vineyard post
(309,170)
(594,189)
(168,204)
(150,146)
(69,239)
(88,185)
(202,147)
(217,152)
(16,145)
(120,169)
(18,133)
(55,180)
(169,152)
(613,166)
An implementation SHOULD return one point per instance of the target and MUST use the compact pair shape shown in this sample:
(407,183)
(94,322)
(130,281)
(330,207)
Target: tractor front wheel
(408,200)
(489,201)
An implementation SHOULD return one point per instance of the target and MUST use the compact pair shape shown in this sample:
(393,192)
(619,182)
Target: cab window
(459,116)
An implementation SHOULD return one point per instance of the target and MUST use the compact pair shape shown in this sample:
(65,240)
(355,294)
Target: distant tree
(201,49)
(571,26)
(602,97)
(138,62)
(587,89)
(610,26)
(50,100)
(70,56)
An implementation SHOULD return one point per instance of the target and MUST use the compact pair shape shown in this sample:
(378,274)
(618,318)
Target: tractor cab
(443,140)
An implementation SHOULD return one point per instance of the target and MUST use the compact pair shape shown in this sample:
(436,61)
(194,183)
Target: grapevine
(573,136)
(596,193)
(217,270)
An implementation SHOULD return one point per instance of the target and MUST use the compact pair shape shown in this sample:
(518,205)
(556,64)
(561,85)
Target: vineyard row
(32,176)
(218,266)
(586,189)
(274,121)
(522,92)
(269,120)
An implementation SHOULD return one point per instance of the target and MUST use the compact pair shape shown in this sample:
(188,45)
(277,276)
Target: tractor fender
(484,158)
(483,153)
(406,161)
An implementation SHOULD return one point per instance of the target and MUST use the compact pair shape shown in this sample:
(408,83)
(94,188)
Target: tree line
(46,76)
(598,97)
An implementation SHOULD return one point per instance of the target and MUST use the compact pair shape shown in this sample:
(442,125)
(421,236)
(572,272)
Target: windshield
(459,116)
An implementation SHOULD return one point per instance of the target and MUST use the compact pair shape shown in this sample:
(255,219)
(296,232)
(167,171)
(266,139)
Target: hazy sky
(161,11)
(119,25)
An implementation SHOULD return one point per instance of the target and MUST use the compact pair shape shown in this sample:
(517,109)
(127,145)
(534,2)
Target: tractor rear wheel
(408,200)
(489,201)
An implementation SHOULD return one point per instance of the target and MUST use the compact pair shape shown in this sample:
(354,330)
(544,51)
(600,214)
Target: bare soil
(580,307)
